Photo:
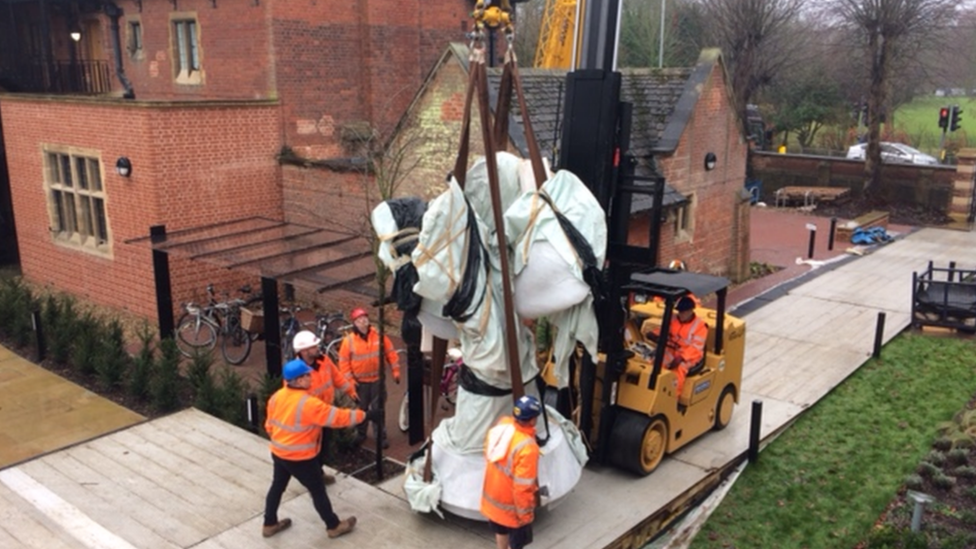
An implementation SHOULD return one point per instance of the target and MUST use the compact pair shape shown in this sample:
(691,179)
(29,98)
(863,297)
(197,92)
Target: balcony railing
(80,77)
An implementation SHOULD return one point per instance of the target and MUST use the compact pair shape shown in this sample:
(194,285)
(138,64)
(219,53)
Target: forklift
(624,400)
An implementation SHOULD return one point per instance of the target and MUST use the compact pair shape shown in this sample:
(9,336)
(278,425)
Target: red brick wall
(340,63)
(235,49)
(713,245)
(191,166)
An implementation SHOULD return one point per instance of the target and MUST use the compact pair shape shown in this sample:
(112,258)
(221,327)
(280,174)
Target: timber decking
(189,480)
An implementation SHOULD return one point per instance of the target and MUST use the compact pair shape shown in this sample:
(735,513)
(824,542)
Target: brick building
(200,98)
(682,116)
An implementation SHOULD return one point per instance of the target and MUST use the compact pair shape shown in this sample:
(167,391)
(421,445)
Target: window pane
(101,230)
(59,221)
(85,226)
(181,46)
(52,168)
(191,31)
(70,221)
(82,170)
(94,174)
(65,162)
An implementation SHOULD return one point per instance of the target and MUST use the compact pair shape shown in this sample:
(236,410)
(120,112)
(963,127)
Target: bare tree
(757,38)
(891,33)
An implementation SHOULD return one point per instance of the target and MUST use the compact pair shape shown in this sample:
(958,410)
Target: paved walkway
(41,412)
(189,480)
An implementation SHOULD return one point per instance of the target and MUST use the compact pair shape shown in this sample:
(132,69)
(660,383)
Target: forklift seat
(697,368)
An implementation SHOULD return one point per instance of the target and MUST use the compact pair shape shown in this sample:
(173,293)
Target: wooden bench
(874,218)
(809,196)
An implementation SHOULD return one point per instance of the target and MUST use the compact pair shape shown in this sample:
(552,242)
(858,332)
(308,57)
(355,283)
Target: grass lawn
(825,481)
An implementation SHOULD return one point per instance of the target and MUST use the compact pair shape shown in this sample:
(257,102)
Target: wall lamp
(123,166)
(74,31)
(710,161)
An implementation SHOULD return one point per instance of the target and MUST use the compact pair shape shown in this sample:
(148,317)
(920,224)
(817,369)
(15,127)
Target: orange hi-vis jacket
(508,496)
(359,357)
(686,342)
(326,377)
(295,421)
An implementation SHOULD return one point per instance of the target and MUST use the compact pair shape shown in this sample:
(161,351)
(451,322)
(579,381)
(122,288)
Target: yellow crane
(558,46)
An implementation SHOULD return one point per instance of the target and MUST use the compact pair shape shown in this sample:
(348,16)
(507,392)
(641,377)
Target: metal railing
(81,77)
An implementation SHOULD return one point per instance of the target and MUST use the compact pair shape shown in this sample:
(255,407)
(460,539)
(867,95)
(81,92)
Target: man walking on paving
(359,360)
(508,498)
(326,378)
(294,422)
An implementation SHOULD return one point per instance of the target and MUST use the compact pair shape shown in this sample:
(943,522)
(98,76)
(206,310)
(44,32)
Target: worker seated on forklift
(685,349)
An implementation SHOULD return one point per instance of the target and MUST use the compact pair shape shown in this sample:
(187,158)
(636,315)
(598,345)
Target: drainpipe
(114,12)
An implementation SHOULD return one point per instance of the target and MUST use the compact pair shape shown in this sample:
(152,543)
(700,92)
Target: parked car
(893,152)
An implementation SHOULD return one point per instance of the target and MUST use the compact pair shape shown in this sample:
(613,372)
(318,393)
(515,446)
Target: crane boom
(559,36)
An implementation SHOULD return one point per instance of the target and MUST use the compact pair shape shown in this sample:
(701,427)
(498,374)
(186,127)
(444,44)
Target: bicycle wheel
(192,333)
(236,344)
(332,350)
(404,420)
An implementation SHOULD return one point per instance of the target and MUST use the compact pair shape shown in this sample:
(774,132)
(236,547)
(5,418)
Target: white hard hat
(305,340)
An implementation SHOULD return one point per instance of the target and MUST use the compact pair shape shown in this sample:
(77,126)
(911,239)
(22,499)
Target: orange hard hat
(357,312)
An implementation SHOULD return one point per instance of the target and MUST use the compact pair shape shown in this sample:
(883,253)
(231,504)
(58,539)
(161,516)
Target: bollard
(38,334)
(813,238)
(920,500)
(878,333)
(754,431)
(252,412)
(830,235)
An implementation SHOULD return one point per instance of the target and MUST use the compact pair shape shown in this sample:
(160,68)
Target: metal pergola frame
(313,258)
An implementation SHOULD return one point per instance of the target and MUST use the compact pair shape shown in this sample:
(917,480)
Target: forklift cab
(650,418)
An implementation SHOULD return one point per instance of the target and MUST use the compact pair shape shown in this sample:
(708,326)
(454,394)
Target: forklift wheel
(638,442)
(724,407)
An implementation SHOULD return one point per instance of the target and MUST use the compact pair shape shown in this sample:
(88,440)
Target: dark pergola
(312,258)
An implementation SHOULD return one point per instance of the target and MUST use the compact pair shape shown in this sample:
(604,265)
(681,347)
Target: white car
(893,152)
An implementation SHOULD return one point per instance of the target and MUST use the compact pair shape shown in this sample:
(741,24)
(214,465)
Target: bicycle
(330,329)
(290,326)
(199,326)
(448,388)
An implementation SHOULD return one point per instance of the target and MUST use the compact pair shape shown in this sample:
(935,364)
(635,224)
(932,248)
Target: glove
(674,364)
(374,415)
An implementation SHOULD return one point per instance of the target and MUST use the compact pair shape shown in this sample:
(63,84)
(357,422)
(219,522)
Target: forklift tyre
(638,442)
(724,407)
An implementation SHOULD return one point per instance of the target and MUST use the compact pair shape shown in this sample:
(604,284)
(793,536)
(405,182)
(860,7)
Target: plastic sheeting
(539,233)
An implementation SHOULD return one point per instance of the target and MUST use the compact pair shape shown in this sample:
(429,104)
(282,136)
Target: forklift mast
(595,145)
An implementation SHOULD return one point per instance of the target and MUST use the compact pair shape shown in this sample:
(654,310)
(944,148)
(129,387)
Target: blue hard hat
(526,408)
(295,369)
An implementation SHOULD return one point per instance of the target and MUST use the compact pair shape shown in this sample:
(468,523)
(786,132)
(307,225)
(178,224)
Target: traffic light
(944,118)
(955,118)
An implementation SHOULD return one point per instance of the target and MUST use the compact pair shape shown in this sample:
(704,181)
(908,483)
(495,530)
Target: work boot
(344,527)
(268,531)
(328,479)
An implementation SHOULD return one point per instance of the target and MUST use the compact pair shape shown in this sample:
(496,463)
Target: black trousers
(369,394)
(309,473)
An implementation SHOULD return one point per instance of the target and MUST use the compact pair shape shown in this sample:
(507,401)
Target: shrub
(887,537)
(143,365)
(943,481)
(943,443)
(114,359)
(164,383)
(926,469)
(965,471)
(60,321)
(16,304)
(958,455)
(971,493)
(198,372)
(914,481)
(231,396)
(87,344)
(936,457)
(205,395)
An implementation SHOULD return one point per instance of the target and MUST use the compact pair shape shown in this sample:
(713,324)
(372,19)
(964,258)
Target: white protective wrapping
(531,221)
(441,258)
(460,474)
